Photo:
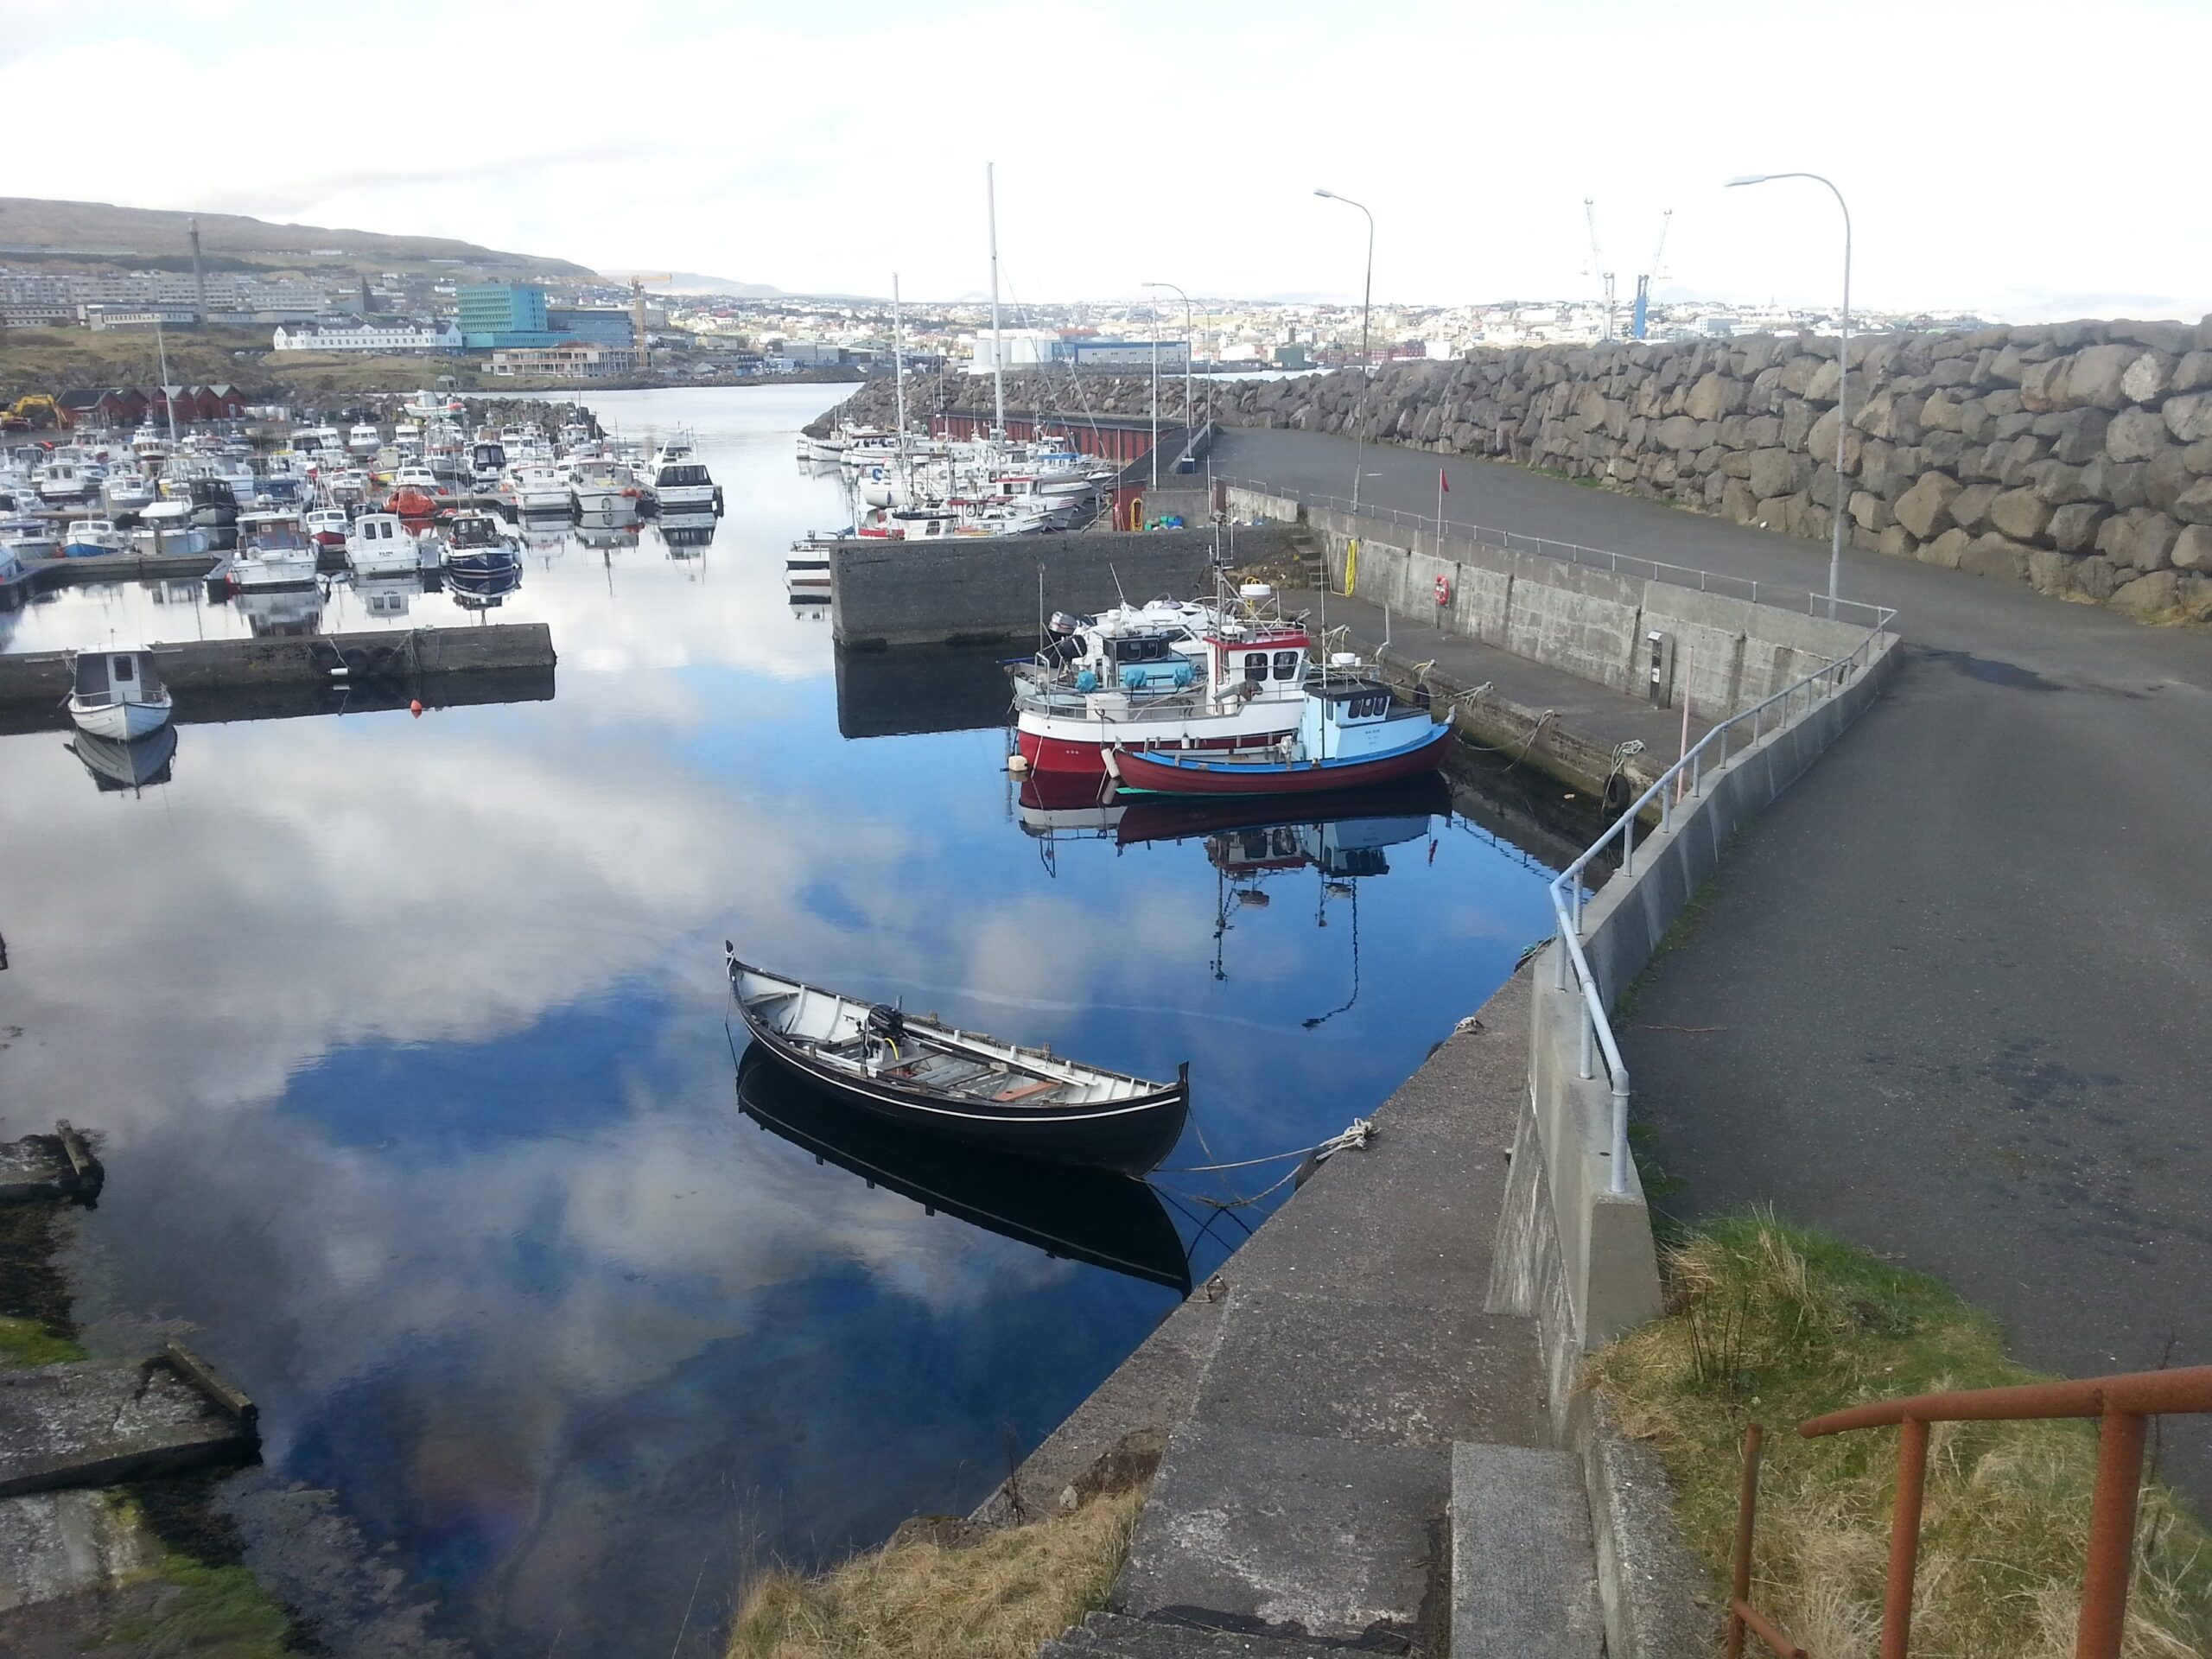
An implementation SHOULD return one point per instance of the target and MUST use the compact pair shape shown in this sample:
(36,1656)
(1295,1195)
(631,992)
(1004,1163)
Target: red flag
(1443,484)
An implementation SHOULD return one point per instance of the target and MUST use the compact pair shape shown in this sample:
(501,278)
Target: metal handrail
(2122,1403)
(1707,582)
(1683,781)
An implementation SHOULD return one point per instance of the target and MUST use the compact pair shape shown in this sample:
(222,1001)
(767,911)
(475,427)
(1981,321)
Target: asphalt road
(1962,972)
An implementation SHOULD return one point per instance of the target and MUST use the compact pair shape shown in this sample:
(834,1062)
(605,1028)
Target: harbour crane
(1638,321)
(637,281)
(1598,267)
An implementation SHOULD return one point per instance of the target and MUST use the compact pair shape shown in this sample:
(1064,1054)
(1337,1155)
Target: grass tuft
(27,1342)
(1003,1597)
(1778,1323)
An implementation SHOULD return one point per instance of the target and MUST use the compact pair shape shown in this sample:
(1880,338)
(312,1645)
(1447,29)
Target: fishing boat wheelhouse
(1166,674)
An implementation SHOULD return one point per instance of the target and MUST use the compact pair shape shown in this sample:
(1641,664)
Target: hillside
(98,229)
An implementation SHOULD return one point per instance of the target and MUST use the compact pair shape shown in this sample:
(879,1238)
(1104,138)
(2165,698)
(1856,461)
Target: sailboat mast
(998,343)
(899,379)
(167,402)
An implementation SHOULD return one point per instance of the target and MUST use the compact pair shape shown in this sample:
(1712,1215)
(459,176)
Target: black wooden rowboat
(973,1088)
(1094,1216)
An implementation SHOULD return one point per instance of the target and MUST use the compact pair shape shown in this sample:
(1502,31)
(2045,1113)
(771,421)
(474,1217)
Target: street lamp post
(1155,400)
(1842,379)
(1186,356)
(1366,306)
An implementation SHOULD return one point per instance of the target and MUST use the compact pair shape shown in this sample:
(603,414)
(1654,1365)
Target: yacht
(364,440)
(603,487)
(679,479)
(380,546)
(273,553)
(127,492)
(538,489)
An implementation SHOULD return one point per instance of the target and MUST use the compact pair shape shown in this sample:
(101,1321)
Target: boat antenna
(1117,575)
(998,344)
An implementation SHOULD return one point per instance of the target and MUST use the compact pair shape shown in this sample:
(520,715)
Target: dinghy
(913,1070)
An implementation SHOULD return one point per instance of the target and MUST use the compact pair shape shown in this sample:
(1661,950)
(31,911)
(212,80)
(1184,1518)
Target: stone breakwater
(2074,456)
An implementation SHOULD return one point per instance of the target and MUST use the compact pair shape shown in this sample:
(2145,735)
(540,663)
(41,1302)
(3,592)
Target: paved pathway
(1961,973)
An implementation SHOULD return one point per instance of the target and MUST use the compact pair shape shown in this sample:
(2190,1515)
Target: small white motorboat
(380,546)
(87,538)
(117,694)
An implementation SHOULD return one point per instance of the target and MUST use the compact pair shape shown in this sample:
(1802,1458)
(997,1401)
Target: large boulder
(1776,472)
(1942,413)
(2148,598)
(1820,443)
(2189,418)
(2192,549)
(2095,577)
(1946,549)
(1925,509)
(2194,505)
(2135,435)
(2193,373)
(1996,556)
(1675,432)
(1970,506)
(2142,539)
(2148,378)
(1713,396)
(2095,376)
(2078,435)
(2074,526)
(2020,513)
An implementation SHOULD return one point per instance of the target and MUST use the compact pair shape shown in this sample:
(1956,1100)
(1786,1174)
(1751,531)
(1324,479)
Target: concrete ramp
(1524,1570)
(99,1421)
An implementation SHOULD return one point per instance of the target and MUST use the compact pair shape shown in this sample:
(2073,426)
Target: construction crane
(1598,267)
(637,281)
(33,412)
(1638,321)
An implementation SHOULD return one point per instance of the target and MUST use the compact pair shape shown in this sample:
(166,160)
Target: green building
(500,314)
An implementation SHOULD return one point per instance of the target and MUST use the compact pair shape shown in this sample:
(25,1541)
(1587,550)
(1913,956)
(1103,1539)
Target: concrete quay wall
(976,590)
(198,665)
(2073,456)
(1722,652)
(1572,1253)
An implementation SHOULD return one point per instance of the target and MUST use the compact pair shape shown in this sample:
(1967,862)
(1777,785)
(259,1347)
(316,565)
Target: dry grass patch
(1002,1597)
(1780,1324)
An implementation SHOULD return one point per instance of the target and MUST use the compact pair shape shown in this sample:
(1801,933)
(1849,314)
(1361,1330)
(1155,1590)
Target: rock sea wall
(2074,456)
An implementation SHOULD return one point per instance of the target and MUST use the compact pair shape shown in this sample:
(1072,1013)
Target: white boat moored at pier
(117,694)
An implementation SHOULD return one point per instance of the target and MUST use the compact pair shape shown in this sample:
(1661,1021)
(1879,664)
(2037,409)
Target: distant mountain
(96,230)
(693,281)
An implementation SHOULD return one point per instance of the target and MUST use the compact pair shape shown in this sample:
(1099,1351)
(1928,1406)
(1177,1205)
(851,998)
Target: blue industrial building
(495,316)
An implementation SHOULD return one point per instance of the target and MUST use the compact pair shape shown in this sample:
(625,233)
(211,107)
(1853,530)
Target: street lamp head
(1749,178)
(1330,193)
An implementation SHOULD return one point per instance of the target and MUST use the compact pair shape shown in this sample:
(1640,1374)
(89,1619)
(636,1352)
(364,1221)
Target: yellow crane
(637,281)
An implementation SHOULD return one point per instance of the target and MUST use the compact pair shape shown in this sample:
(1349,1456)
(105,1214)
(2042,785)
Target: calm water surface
(407,1040)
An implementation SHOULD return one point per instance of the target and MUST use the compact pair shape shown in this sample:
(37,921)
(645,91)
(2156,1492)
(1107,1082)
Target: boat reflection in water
(117,764)
(1078,1214)
(287,613)
(388,596)
(483,590)
(686,532)
(1250,841)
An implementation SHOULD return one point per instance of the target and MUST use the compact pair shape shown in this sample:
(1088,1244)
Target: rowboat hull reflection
(1091,1216)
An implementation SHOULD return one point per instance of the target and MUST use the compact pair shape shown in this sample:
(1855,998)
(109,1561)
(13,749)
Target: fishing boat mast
(998,343)
(898,381)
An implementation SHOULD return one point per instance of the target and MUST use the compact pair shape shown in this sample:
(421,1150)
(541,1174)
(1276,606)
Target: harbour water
(409,1042)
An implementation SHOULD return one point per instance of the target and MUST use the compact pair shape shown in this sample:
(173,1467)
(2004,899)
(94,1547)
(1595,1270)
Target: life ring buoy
(1443,589)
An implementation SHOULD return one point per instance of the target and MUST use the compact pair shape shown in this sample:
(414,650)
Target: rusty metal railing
(2122,1405)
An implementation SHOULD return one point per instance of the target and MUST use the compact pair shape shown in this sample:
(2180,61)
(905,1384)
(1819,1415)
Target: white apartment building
(368,335)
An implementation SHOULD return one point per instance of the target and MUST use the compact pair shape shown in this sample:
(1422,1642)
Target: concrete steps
(1114,1636)
(1524,1569)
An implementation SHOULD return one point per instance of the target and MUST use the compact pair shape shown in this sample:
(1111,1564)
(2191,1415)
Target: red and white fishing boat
(1353,734)
(1170,674)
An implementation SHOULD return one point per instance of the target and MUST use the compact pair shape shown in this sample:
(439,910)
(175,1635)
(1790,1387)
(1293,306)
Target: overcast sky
(2026,159)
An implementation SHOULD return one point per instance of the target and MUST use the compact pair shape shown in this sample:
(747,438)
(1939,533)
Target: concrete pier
(204,666)
(58,1165)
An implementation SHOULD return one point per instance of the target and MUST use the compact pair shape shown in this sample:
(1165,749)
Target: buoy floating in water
(1017,764)
(415,707)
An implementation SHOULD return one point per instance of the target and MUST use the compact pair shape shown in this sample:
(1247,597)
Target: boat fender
(1087,680)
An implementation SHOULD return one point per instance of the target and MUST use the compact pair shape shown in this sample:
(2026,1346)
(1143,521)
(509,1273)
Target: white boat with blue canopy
(117,694)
